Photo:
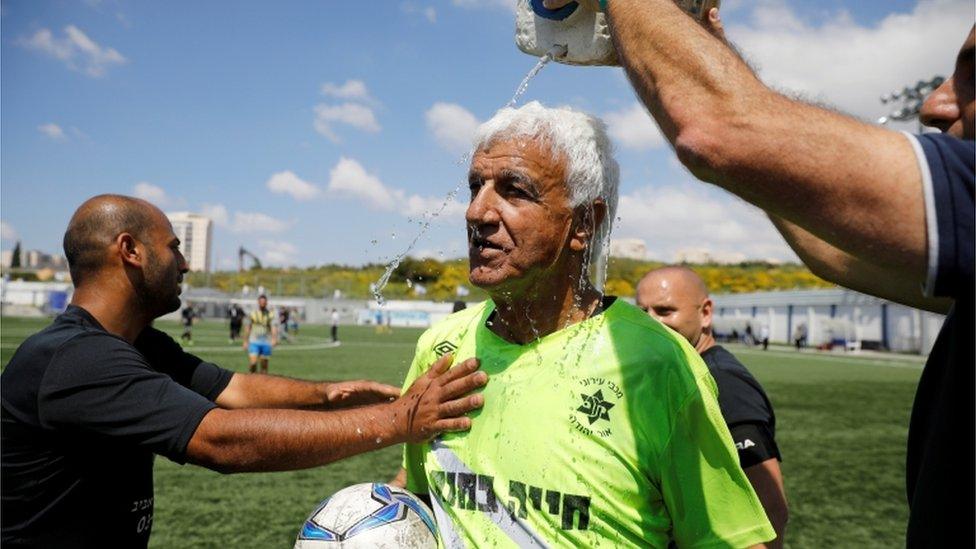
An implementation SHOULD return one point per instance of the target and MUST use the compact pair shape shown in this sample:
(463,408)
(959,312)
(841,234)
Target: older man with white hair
(600,426)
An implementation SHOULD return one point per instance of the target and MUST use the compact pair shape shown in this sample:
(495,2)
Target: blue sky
(309,130)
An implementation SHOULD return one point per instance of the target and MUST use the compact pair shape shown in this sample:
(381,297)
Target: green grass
(841,426)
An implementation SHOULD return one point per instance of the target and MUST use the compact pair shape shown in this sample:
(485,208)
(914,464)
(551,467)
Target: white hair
(591,171)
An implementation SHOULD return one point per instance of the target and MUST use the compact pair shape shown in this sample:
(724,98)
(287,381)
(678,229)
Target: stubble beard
(158,292)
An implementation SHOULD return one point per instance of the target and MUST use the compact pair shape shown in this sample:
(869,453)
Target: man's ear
(589,218)
(706,313)
(130,250)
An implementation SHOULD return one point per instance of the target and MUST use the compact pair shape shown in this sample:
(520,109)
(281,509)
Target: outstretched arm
(268,391)
(855,186)
(279,440)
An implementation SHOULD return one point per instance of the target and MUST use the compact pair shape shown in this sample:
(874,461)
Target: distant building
(700,255)
(831,317)
(35,259)
(628,248)
(195,232)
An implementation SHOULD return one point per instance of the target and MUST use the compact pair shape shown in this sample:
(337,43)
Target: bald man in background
(678,298)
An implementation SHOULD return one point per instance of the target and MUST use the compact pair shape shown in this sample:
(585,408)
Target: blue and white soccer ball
(369,515)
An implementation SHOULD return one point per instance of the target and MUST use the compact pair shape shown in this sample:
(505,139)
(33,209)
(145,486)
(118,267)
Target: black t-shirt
(83,413)
(941,452)
(745,407)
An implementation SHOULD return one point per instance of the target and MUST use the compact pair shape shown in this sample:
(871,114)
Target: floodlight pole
(910,99)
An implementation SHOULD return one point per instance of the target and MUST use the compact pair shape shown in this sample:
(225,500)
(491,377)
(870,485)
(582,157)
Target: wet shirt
(606,433)
(83,414)
(745,407)
(941,455)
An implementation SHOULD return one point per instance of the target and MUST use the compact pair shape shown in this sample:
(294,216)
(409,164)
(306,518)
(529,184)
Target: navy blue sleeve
(99,385)
(948,180)
(166,356)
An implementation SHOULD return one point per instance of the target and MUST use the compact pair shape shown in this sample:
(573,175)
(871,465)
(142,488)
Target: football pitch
(841,425)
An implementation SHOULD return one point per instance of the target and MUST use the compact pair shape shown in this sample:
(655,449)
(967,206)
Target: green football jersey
(606,433)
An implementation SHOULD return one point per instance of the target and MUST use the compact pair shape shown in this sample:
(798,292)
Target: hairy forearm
(851,184)
(279,440)
(267,391)
(835,265)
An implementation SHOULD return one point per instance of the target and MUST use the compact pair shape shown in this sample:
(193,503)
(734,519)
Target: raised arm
(855,186)
(279,440)
(835,265)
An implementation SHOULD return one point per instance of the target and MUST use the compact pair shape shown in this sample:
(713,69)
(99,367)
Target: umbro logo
(443,348)
(744,444)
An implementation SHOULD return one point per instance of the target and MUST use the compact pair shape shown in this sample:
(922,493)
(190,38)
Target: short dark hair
(96,224)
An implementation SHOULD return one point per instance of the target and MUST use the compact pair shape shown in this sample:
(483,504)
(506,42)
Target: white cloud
(428,12)
(358,116)
(244,222)
(217,213)
(503,4)
(287,182)
(634,128)
(259,223)
(152,193)
(351,89)
(453,126)
(350,178)
(435,206)
(849,65)
(76,50)
(52,130)
(691,216)
(277,252)
(7,231)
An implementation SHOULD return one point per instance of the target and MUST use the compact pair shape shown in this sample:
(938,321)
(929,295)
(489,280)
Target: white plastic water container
(582,31)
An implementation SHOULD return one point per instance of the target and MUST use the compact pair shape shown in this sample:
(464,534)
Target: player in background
(601,426)
(283,319)
(237,316)
(260,335)
(678,298)
(187,315)
(335,326)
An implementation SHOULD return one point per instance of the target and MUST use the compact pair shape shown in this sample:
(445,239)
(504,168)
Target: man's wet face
(519,216)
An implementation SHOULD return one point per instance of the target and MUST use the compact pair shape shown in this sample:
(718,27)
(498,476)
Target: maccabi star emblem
(595,407)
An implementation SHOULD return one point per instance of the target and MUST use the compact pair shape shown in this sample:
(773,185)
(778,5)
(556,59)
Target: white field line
(909,363)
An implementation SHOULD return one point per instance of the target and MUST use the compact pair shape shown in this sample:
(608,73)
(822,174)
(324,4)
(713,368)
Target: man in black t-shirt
(678,298)
(188,314)
(236,321)
(90,400)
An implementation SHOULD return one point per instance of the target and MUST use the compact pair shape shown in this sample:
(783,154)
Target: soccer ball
(369,515)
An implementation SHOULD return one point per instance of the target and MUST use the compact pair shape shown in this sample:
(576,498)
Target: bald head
(677,297)
(97,223)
